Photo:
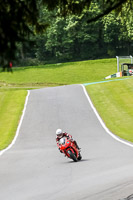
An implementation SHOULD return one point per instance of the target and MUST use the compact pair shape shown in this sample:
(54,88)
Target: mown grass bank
(59,74)
(11,106)
(114,102)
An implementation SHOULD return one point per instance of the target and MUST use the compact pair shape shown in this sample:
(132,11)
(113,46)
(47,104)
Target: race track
(34,169)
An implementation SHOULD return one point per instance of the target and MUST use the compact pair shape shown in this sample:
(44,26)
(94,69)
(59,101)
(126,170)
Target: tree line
(47,31)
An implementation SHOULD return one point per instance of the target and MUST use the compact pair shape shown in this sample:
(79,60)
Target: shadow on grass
(47,66)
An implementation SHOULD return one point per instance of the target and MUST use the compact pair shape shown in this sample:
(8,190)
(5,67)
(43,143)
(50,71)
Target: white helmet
(58,132)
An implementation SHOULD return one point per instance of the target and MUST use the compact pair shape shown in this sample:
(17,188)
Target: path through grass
(113,100)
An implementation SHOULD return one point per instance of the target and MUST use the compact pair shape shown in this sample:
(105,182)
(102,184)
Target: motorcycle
(70,150)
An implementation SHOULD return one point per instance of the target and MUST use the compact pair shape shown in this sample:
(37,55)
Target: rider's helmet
(59,132)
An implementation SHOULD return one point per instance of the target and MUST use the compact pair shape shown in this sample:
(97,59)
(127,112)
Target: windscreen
(62,140)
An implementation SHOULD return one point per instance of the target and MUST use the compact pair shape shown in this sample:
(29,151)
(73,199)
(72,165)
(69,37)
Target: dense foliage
(72,38)
(69,36)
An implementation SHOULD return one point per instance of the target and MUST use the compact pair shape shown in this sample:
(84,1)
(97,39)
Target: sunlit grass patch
(11,106)
(114,102)
(60,74)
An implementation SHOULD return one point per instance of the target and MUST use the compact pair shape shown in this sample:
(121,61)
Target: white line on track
(102,123)
(92,106)
(20,122)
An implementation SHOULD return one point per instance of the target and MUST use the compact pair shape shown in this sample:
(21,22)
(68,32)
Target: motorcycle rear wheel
(72,156)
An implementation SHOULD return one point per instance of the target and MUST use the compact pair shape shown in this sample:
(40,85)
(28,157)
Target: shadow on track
(71,161)
(128,198)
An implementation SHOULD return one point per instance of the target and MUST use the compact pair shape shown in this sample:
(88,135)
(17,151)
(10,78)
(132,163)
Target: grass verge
(113,101)
(11,106)
(59,74)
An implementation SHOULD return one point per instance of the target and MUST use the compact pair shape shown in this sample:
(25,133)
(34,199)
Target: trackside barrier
(118,74)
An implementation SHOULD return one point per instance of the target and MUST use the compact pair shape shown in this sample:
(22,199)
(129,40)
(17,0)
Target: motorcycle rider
(60,134)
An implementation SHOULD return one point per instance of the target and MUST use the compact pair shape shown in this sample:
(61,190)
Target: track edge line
(19,125)
(101,121)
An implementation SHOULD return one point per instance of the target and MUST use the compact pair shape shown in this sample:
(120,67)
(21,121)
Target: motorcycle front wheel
(72,156)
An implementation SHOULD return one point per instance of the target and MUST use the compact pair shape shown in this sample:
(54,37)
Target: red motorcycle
(70,150)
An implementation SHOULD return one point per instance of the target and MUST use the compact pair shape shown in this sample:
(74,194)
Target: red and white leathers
(64,134)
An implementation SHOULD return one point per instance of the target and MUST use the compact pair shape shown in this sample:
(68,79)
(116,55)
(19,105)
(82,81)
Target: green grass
(114,102)
(11,106)
(59,74)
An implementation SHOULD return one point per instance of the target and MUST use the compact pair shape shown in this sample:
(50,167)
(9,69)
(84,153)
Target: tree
(73,38)
(18,19)
(118,32)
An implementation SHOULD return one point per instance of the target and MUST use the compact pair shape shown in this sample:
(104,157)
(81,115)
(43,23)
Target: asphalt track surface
(34,169)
